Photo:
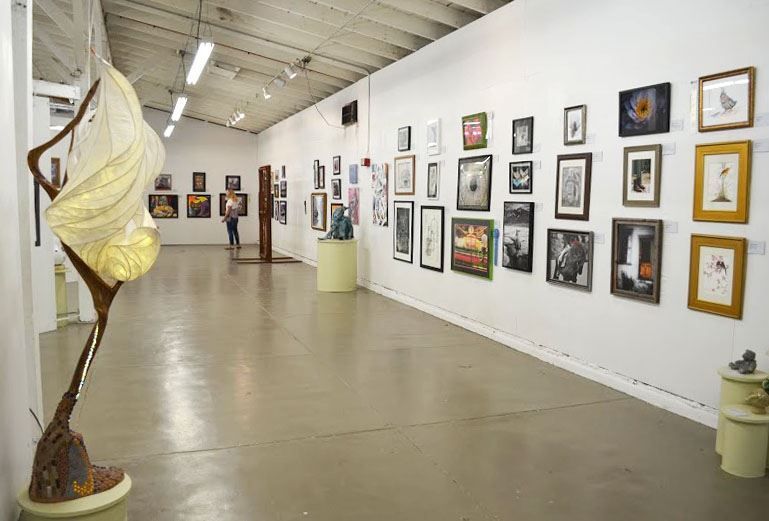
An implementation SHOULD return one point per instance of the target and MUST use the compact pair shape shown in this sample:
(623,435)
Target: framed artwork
(644,110)
(722,182)
(335,207)
(431,236)
(232,182)
(379,192)
(574,125)
(198,206)
(518,236)
(572,187)
(283,188)
(56,172)
(433,137)
(717,274)
(282,209)
(242,204)
(283,173)
(404,175)
(164,206)
(523,135)
(353,200)
(404,139)
(636,258)
(276,190)
(475,131)
(474,183)
(315,173)
(321,177)
(521,177)
(274,207)
(318,211)
(726,100)
(353,171)
(433,181)
(472,245)
(198,181)
(641,176)
(570,258)
(163,182)
(403,231)
(336,163)
(336,189)
(36,203)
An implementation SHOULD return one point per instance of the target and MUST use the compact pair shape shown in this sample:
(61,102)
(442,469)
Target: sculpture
(99,215)
(341,226)
(759,399)
(747,365)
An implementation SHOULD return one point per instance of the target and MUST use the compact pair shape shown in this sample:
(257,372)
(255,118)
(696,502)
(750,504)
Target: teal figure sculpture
(341,226)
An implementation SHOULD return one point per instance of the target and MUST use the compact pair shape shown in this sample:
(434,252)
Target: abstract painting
(716,274)
(572,187)
(726,100)
(379,190)
(318,211)
(474,183)
(472,245)
(198,206)
(521,177)
(163,182)
(403,231)
(431,250)
(641,176)
(574,125)
(722,181)
(518,238)
(198,181)
(523,135)
(164,206)
(353,200)
(475,131)
(433,181)
(570,258)
(644,110)
(404,175)
(636,258)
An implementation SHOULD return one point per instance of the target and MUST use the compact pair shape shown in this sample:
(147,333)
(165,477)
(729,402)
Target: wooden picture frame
(572,186)
(472,246)
(636,260)
(198,181)
(717,274)
(405,175)
(722,182)
(431,236)
(403,231)
(570,258)
(644,110)
(725,108)
(523,135)
(475,131)
(474,183)
(642,176)
(319,204)
(575,125)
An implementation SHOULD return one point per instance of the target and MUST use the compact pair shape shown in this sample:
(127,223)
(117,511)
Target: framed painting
(518,236)
(636,258)
(336,189)
(726,100)
(276,190)
(644,110)
(315,173)
(433,137)
(164,206)
(572,187)
(474,183)
(472,246)
(274,207)
(321,177)
(336,163)
(353,201)
(475,129)
(404,175)
(379,190)
(433,181)
(198,181)
(717,274)
(242,204)
(641,176)
(404,139)
(163,182)
(575,125)
(722,182)
(353,171)
(318,211)
(335,207)
(521,181)
(282,171)
(523,135)
(570,258)
(431,237)
(283,188)
(232,182)
(56,172)
(198,206)
(403,231)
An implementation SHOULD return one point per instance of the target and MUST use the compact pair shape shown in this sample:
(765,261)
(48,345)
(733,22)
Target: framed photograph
(322,177)
(353,171)
(334,208)
(636,258)
(472,246)
(404,175)
(232,182)
(336,189)
(315,173)
(403,231)
(722,182)
(431,236)
(283,188)
(726,100)
(474,183)
(475,129)
(283,172)
(318,211)
(521,177)
(274,207)
(404,139)
(163,182)
(276,190)
(433,137)
(198,206)
(572,187)
(518,236)
(353,201)
(433,181)
(164,206)
(282,209)
(570,258)
(641,176)
(644,110)
(242,204)
(574,125)
(523,135)
(379,190)
(336,165)
(717,274)
(198,181)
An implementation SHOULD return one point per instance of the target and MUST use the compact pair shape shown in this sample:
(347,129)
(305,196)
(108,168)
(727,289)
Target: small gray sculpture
(341,226)
(747,365)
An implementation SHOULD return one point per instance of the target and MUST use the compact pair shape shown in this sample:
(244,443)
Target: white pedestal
(111,505)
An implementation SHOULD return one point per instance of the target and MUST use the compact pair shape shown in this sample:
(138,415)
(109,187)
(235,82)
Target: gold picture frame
(319,204)
(717,274)
(720,193)
(729,102)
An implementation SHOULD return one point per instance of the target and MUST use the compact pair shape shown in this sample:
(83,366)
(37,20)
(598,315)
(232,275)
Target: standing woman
(231,218)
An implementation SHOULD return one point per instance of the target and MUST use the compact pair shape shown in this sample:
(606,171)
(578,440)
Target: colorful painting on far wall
(722,181)
(726,100)
(379,190)
(232,182)
(353,200)
(163,182)
(644,110)
(164,206)
(472,246)
(198,206)
(716,274)
(242,204)
(636,258)
(475,131)
(198,181)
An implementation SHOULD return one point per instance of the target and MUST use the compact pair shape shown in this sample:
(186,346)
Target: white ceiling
(345,38)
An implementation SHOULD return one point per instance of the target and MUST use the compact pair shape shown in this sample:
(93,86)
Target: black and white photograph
(404,139)
(321,177)
(518,239)
(523,135)
(282,209)
(636,256)
(521,177)
(336,189)
(474,183)
(315,173)
(404,175)
(283,188)
(433,137)
(336,165)
(433,180)
(570,258)
(232,182)
(574,125)
(431,236)
(403,231)
(572,187)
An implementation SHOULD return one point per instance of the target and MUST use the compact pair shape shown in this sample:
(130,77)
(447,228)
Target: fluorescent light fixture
(279,82)
(181,101)
(201,58)
(57,128)
(290,71)
(169,130)
(266,93)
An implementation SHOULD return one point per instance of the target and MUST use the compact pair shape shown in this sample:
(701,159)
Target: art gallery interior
(495,260)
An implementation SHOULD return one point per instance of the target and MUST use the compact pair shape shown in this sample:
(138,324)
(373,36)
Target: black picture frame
(232,182)
(571,265)
(630,277)
(514,167)
(336,165)
(585,213)
(404,131)
(462,187)
(423,236)
(321,178)
(243,211)
(198,181)
(282,211)
(336,189)
(644,110)
(191,214)
(36,193)
(515,215)
(476,258)
(518,125)
(283,188)
(158,205)
(398,228)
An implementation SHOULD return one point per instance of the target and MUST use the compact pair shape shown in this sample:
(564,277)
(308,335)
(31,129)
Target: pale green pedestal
(337,265)
(111,505)
(744,446)
(735,387)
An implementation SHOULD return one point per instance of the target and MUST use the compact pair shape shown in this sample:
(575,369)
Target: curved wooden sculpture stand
(62,470)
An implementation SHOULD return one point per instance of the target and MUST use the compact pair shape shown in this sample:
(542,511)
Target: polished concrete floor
(239,393)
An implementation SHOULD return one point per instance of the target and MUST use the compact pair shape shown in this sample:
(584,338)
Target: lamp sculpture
(98,213)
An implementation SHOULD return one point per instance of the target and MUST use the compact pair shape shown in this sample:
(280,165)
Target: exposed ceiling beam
(481,6)
(58,16)
(149,63)
(60,54)
(428,9)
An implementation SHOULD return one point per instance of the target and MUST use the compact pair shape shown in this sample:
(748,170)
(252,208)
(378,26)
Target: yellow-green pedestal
(111,505)
(337,265)
(735,387)
(744,441)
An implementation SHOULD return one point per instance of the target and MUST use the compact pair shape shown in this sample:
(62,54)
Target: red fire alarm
(365,161)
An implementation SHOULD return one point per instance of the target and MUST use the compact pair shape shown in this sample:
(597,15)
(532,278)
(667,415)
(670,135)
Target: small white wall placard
(538,207)
(536,148)
(761,145)
(668,149)
(537,165)
(599,238)
(598,156)
(670,226)
(590,138)
(677,125)
(757,247)
(762,120)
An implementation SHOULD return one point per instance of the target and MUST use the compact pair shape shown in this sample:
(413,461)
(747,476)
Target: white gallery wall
(197,146)
(533,58)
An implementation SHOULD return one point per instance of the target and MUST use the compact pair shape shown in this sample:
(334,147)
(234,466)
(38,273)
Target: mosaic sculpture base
(111,505)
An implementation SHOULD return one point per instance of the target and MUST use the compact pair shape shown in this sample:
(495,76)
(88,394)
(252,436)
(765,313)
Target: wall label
(670,226)
(537,165)
(590,138)
(599,238)
(677,125)
(538,207)
(537,147)
(757,247)
(761,145)
(598,156)
(668,149)
(762,120)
